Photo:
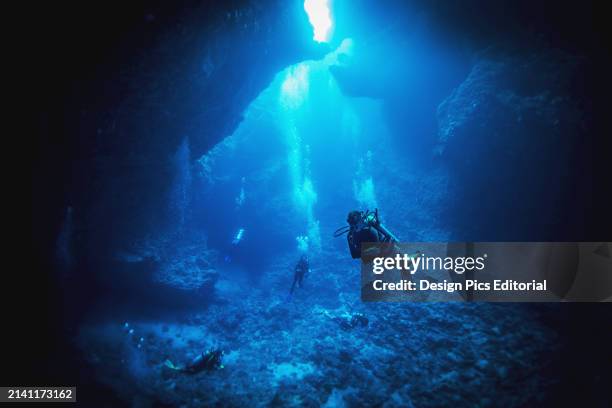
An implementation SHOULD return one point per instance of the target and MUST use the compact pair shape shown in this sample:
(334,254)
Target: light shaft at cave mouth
(319,16)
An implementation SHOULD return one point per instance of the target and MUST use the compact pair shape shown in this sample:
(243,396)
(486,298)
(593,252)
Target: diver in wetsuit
(301,269)
(364,227)
(207,361)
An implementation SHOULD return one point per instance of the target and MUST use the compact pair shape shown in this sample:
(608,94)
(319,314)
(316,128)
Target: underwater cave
(191,153)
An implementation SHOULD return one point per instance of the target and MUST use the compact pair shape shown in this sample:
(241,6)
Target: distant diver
(207,361)
(364,226)
(238,237)
(349,320)
(235,242)
(301,269)
(352,321)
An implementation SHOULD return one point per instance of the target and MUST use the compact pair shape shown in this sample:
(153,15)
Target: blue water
(304,155)
(398,120)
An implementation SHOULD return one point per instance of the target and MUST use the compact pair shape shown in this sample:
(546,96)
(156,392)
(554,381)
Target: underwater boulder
(191,273)
(168,270)
(169,85)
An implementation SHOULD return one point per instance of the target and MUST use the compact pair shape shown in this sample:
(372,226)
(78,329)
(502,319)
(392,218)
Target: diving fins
(171,366)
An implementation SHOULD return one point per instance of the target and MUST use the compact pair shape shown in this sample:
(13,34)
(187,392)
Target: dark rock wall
(122,88)
(511,137)
(505,97)
(126,86)
(501,98)
(117,88)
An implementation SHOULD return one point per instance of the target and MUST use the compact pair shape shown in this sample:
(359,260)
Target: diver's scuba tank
(371,219)
(360,221)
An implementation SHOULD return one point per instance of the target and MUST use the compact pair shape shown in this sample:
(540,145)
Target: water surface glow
(320,18)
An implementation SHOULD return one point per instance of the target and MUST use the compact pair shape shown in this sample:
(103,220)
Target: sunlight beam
(319,16)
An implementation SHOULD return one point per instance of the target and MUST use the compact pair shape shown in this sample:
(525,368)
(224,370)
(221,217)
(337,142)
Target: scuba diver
(234,249)
(364,226)
(238,238)
(207,361)
(301,269)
